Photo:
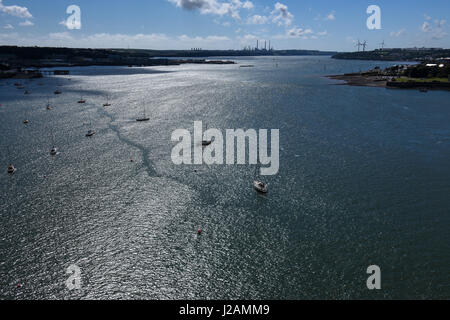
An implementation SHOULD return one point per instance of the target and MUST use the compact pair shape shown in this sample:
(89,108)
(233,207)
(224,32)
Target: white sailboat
(11,168)
(81,101)
(144,118)
(54,150)
(48,107)
(26,121)
(91,132)
(107,104)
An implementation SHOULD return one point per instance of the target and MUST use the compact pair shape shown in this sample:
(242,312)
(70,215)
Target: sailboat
(91,132)
(107,104)
(144,118)
(49,107)
(81,101)
(11,168)
(54,150)
(26,121)
(206,142)
(260,186)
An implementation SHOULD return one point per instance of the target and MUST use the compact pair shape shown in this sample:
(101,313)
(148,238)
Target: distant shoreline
(362,80)
(42,57)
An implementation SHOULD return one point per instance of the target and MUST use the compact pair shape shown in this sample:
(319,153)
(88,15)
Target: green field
(407,79)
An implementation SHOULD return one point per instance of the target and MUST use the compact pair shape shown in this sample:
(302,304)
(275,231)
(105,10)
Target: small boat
(107,104)
(91,132)
(144,118)
(81,101)
(57,92)
(206,141)
(260,186)
(20,87)
(11,169)
(54,150)
(423,90)
(48,107)
(25,117)
(27,92)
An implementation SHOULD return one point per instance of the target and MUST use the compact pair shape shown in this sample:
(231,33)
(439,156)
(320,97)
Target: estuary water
(364,180)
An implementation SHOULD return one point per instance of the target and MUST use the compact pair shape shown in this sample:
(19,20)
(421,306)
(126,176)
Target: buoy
(131,160)
(199,231)
(19,286)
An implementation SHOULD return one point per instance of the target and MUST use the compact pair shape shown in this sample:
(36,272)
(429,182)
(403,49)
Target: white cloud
(248,5)
(426,27)
(331,16)
(257,19)
(436,32)
(440,23)
(21,12)
(303,33)
(281,15)
(27,23)
(215,7)
(8,27)
(108,40)
(398,33)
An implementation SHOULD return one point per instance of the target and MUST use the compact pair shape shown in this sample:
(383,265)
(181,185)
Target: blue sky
(225,24)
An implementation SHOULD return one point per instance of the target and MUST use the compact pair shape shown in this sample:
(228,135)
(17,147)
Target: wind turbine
(382,45)
(364,44)
(359,44)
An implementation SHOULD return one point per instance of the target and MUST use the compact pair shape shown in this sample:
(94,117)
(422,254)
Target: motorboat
(261,187)
(91,133)
(206,141)
(11,169)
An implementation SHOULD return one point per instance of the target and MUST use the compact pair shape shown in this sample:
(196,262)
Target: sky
(334,25)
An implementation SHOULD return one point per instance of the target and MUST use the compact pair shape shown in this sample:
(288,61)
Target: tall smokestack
(257,44)
(265,45)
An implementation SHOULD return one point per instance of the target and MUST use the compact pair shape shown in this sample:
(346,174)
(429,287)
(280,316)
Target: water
(364,180)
